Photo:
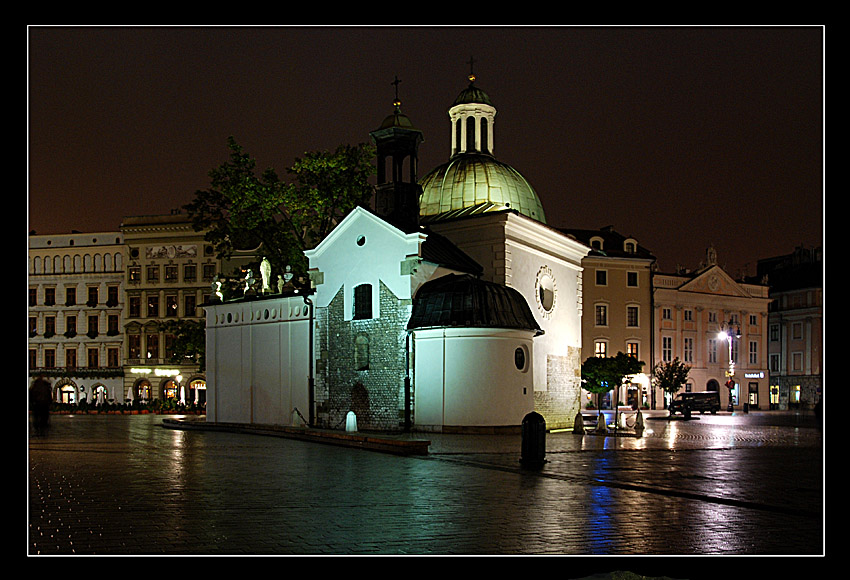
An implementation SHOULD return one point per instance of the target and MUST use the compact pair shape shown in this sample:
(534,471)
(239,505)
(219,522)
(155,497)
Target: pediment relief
(714,281)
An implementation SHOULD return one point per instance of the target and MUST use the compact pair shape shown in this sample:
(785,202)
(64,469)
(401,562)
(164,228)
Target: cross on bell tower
(397,144)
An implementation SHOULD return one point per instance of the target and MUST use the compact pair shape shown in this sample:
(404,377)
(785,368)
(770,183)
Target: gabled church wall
(362,364)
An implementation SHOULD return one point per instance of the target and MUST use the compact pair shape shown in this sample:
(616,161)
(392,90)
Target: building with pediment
(718,326)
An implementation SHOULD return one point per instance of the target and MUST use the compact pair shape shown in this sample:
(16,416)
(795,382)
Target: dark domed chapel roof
(461,300)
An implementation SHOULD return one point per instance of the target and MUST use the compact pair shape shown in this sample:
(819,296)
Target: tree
(670,376)
(189,341)
(242,210)
(601,374)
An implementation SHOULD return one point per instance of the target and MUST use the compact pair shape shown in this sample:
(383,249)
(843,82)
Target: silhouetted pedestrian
(41,395)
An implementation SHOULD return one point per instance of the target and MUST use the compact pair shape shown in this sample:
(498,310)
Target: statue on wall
(266,273)
(250,281)
(216,288)
(285,282)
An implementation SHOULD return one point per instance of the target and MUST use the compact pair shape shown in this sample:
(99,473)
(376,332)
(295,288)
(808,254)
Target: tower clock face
(545,291)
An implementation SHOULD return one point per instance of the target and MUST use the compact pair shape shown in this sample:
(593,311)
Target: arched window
(363,302)
(361,352)
(470,134)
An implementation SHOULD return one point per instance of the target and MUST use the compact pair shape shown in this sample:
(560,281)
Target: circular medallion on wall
(545,291)
(713,283)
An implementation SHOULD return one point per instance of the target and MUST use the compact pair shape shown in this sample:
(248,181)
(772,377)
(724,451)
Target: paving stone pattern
(733,484)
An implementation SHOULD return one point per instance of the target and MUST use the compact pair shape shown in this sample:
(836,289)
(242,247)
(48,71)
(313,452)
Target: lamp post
(180,393)
(728,332)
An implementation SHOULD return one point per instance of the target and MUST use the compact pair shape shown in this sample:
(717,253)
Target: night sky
(679,136)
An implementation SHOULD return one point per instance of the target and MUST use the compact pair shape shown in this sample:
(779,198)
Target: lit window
(600,349)
(153,306)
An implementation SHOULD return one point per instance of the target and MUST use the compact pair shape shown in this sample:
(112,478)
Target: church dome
(472,94)
(397,119)
(473,183)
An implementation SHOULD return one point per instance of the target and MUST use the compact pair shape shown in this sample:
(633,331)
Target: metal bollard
(533,440)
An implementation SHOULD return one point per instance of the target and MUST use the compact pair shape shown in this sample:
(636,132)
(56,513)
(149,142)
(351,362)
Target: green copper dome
(472,94)
(473,183)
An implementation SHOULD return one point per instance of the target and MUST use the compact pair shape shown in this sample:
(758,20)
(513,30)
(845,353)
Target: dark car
(702,402)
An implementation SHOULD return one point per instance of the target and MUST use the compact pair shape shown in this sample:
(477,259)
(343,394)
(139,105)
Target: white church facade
(451,306)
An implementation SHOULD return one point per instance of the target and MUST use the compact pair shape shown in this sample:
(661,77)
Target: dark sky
(681,137)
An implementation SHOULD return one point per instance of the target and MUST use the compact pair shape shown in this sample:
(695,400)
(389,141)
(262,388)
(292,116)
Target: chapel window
(363,302)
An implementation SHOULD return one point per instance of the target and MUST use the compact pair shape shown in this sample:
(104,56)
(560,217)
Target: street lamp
(728,332)
(180,391)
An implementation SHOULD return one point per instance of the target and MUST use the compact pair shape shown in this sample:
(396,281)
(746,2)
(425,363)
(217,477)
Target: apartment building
(617,299)
(75,311)
(795,327)
(169,270)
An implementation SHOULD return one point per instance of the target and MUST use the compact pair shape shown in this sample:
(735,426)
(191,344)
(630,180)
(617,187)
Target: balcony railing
(79,372)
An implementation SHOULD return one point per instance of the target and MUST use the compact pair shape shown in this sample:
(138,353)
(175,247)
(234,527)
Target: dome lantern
(473,181)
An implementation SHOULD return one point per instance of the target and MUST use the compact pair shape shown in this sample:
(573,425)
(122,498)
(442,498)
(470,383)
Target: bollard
(578,424)
(350,422)
(601,424)
(533,440)
(639,424)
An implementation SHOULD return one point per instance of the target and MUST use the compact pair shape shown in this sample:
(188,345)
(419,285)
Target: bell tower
(397,191)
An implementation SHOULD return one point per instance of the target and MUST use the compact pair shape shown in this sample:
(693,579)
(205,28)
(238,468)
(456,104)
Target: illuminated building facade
(168,273)
(795,327)
(617,293)
(451,306)
(76,314)
(718,326)
(491,213)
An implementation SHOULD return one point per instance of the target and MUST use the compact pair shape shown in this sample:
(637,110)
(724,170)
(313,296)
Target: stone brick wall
(345,382)
(561,401)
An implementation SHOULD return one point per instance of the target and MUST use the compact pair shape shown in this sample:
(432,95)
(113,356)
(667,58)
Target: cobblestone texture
(730,484)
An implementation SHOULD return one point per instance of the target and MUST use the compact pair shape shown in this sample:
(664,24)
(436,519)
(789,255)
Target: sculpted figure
(266,273)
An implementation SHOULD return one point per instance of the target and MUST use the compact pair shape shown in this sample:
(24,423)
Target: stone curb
(386,444)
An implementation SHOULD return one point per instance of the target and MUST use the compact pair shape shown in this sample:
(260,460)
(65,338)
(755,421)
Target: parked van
(702,402)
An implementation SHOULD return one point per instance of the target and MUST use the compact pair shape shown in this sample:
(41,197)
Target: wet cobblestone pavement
(726,484)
